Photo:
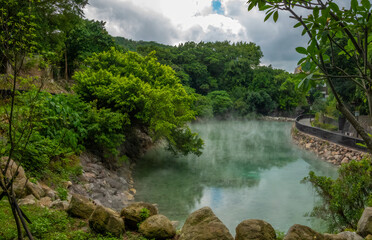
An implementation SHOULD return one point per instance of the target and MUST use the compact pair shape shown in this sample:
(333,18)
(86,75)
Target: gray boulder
(301,232)
(20,181)
(343,236)
(158,227)
(28,200)
(254,229)
(106,221)
(80,206)
(365,223)
(133,214)
(59,205)
(203,224)
(35,189)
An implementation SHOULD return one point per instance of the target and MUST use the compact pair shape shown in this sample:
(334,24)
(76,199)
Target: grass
(52,225)
(46,224)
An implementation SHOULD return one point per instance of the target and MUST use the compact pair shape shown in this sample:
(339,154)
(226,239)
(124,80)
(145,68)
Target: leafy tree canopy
(147,93)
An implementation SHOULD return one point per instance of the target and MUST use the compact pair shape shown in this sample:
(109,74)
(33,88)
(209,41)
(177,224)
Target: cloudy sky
(175,21)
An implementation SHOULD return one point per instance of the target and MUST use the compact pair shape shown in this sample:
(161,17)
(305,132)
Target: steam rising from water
(248,169)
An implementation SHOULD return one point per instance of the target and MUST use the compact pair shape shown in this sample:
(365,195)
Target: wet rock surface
(111,188)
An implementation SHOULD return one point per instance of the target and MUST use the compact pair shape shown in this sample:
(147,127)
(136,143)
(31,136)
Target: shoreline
(327,151)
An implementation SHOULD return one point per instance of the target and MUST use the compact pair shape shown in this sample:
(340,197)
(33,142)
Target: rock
(19,183)
(345,160)
(369,237)
(129,196)
(203,224)
(333,237)
(106,221)
(300,232)
(132,213)
(175,224)
(254,229)
(350,236)
(46,201)
(49,192)
(308,146)
(29,200)
(158,227)
(59,205)
(67,184)
(365,223)
(35,189)
(132,191)
(80,206)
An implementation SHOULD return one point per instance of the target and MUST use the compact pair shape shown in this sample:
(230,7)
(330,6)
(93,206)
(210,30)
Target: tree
(55,20)
(86,38)
(221,102)
(147,93)
(17,35)
(344,198)
(332,31)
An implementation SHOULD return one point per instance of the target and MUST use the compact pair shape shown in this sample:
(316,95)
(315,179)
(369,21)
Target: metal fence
(328,135)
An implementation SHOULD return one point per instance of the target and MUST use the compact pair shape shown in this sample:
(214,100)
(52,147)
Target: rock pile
(109,188)
(328,151)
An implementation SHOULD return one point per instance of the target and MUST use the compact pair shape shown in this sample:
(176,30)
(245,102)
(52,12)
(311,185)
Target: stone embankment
(279,119)
(327,151)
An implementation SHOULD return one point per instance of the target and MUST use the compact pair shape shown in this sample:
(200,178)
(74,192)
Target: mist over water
(248,170)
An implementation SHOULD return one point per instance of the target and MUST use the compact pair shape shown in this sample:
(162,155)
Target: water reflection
(248,169)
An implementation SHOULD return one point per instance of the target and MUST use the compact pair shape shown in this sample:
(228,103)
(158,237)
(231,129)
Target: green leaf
(306,67)
(276,16)
(354,4)
(301,50)
(366,4)
(334,6)
(251,6)
(297,25)
(316,12)
(268,16)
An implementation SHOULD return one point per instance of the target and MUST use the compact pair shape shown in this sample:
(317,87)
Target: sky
(173,22)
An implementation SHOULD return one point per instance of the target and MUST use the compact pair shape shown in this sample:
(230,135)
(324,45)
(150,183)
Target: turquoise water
(248,170)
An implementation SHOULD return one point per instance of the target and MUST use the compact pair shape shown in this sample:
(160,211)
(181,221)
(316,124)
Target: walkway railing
(328,135)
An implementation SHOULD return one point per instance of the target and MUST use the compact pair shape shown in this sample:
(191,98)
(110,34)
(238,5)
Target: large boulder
(35,189)
(135,214)
(80,206)
(203,224)
(343,236)
(106,221)
(158,227)
(365,223)
(20,181)
(300,232)
(254,229)
(28,200)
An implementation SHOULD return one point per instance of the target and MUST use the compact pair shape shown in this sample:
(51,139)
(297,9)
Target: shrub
(343,199)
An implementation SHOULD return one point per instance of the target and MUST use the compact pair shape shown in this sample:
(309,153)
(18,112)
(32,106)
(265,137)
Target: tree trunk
(66,68)
(369,99)
(350,117)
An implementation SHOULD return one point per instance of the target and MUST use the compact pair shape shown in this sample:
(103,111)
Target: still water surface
(248,169)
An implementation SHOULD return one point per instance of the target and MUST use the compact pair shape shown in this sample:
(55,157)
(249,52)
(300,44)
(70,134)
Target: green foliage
(221,102)
(86,38)
(339,49)
(60,127)
(343,199)
(279,235)
(146,93)
(62,193)
(144,213)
